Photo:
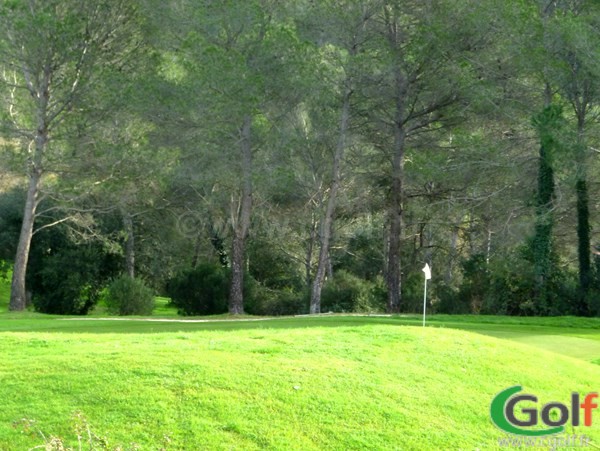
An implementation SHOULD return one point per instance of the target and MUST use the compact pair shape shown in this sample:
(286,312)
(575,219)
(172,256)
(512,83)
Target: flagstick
(427,271)
(424,301)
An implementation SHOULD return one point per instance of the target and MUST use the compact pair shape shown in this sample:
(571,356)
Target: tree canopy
(308,156)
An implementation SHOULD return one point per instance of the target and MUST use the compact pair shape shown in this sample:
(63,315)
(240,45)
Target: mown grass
(304,383)
(329,382)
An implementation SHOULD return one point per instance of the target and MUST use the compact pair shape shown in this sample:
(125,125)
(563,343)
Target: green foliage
(65,274)
(127,296)
(4,291)
(475,284)
(583,245)
(68,280)
(508,287)
(273,268)
(593,297)
(362,255)
(412,292)
(450,301)
(548,124)
(276,302)
(11,216)
(471,99)
(349,293)
(202,290)
(512,289)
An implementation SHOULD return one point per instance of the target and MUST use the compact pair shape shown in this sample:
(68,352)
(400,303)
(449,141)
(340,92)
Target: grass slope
(574,337)
(310,383)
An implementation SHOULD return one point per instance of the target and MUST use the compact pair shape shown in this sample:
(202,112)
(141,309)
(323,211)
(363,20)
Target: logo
(513,413)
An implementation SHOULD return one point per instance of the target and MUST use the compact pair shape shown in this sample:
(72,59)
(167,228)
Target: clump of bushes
(67,279)
(128,296)
(508,287)
(276,302)
(346,292)
(202,290)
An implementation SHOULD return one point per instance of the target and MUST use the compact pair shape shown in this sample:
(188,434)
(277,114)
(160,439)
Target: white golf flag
(427,271)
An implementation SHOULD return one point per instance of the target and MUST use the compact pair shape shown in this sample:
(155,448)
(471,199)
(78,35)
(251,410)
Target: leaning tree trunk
(242,224)
(327,224)
(393,275)
(18,292)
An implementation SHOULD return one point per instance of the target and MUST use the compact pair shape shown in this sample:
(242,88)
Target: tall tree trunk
(488,243)
(544,222)
(583,219)
(309,252)
(393,275)
(546,124)
(327,223)
(129,245)
(542,244)
(18,291)
(583,238)
(453,255)
(242,223)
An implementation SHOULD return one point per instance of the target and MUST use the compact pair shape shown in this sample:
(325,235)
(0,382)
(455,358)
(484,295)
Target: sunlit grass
(304,383)
(329,382)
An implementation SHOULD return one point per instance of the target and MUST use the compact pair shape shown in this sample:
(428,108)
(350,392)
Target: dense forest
(283,157)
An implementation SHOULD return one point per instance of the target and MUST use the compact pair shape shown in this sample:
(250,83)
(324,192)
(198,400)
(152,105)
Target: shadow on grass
(576,338)
(30,322)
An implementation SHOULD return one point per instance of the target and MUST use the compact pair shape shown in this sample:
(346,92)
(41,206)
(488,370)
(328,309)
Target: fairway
(330,382)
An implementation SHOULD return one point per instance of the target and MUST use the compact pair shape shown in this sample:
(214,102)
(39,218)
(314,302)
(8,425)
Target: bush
(362,255)
(127,296)
(272,267)
(65,273)
(67,280)
(202,290)
(270,302)
(475,285)
(348,293)
(412,292)
(450,301)
(512,290)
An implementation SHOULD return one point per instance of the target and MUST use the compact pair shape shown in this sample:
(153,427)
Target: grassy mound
(365,383)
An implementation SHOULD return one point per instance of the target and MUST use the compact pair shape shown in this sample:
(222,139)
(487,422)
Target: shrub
(272,267)
(450,301)
(267,301)
(202,290)
(65,273)
(67,280)
(362,256)
(512,290)
(349,293)
(412,292)
(127,296)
